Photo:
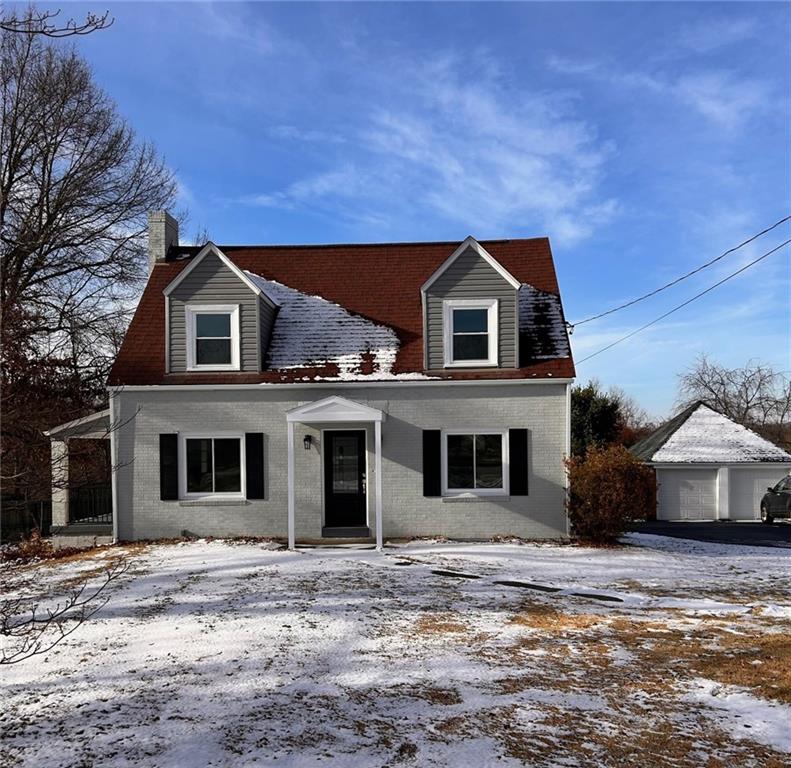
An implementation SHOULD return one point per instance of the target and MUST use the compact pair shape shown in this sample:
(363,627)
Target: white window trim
(492,308)
(183,494)
(196,309)
(504,491)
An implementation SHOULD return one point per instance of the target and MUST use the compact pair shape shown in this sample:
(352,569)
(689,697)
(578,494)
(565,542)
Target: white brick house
(356,391)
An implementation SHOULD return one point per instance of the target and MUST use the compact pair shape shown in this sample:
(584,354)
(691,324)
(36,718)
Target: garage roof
(701,435)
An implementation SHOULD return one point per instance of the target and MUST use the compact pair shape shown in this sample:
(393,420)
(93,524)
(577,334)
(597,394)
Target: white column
(723,494)
(291,535)
(59,458)
(378,464)
(114,425)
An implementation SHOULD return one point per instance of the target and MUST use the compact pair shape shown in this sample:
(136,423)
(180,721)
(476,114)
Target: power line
(684,304)
(683,277)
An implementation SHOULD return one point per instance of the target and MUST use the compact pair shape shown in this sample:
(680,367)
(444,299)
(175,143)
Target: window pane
(345,465)
(488,461)
(227,466)
(460,468)
(470,320)
(212,325)
(213,351)
(471,347)
(199,466)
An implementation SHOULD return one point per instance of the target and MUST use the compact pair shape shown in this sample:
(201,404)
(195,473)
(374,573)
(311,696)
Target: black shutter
(517,458)
(168,467)
(254,464)
(432,462)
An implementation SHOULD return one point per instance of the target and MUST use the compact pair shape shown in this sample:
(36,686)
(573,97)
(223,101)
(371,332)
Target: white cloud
(721,96)
(470,149)
(309,135)
(710,34)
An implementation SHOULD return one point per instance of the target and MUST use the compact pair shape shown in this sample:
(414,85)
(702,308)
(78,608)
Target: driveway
(751,534)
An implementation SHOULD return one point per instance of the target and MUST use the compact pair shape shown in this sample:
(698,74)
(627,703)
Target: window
(470,332)
(212,466)
(212,337)
(475,463)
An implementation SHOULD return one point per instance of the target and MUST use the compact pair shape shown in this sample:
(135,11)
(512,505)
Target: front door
(344,479)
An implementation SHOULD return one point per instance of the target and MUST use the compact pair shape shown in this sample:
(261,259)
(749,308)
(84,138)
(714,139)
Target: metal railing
(91,504)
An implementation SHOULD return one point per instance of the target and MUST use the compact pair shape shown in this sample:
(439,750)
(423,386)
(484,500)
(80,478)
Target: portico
(345,475)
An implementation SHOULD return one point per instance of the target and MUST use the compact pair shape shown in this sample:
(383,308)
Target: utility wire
(679,279)
(684,304)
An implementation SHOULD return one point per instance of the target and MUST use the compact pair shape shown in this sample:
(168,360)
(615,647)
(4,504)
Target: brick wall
(410,409)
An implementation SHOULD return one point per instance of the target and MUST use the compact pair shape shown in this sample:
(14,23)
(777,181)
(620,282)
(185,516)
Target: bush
(34,548)
(608,488)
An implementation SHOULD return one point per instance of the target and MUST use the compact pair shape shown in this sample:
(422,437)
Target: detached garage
(709,467)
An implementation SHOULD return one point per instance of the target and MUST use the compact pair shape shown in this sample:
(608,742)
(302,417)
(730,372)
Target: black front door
(344,479)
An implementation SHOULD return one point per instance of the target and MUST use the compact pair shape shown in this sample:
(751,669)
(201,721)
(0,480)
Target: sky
(642,138)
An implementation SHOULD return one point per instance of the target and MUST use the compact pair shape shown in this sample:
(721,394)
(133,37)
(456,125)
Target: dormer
(471,312)
(217,318)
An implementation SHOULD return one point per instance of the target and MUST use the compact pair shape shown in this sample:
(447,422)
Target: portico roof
(93,427)
(332,409)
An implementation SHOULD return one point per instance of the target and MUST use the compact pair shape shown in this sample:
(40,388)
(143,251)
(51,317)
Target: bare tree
(75,188)
(755,395)
(48,24)
(635,421)
(30,630)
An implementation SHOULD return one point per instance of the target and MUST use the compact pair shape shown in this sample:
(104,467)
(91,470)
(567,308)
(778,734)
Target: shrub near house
(608,488)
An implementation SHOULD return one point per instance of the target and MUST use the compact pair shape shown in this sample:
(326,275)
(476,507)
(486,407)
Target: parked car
(776,502)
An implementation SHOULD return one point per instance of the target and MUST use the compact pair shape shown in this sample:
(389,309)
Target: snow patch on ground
(213,653)
(745,715)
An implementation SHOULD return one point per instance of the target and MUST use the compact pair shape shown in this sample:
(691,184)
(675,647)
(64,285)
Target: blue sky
(642,138)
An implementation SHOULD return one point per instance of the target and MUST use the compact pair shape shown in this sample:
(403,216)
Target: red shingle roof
(378,282)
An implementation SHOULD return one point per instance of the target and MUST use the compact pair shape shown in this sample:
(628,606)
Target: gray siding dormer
(470,276)
(213,282)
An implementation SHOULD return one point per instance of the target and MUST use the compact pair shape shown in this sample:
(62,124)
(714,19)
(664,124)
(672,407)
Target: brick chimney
(163,231)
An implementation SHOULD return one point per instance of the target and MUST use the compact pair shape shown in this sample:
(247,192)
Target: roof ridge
(665,431)
(395,243)
(743,426)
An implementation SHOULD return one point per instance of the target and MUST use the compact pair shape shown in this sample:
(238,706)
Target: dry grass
(755,659)
(440,624)
(545,617)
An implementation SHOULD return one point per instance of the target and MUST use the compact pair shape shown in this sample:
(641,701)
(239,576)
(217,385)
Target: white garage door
(687,494)
(747,487)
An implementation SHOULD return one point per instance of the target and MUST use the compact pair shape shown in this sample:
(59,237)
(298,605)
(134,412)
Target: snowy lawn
(219,653)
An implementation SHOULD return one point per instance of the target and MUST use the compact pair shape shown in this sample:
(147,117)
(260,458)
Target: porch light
(306,441)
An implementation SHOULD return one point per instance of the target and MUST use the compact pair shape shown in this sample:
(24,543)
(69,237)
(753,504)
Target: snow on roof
(542,328)
(707,436)
(311,332)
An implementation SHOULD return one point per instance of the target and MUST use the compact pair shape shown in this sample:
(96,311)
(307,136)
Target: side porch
(82,514)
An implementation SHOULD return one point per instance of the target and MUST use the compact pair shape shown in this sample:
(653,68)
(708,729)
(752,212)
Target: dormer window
(212,337)
(470,336)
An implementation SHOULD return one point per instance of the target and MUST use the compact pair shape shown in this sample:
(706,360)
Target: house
(708,467)
(312,392)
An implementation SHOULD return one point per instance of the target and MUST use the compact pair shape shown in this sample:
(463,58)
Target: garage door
(687,494)
(747,486)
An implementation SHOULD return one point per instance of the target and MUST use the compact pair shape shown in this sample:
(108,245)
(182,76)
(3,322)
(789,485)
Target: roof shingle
(377,282)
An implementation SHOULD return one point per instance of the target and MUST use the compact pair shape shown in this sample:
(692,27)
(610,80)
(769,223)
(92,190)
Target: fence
(18,518)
